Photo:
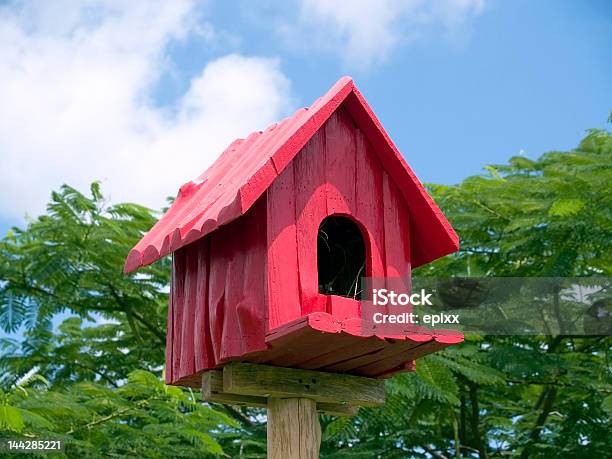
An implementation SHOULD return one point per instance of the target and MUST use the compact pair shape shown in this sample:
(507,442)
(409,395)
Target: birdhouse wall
(217,298)
(233,287)
(244,238)
(336,173)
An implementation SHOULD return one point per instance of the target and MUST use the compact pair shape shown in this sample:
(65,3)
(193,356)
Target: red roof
(228,188)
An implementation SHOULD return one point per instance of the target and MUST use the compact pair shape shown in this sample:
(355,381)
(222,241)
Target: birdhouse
(268,245)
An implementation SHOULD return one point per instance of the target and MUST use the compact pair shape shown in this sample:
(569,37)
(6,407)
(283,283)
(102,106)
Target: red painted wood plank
(312,118)
(397,239)
(349,347)
(320,342)
(298,342)
(178,290)
(305,338)
(403,355)
(342,308)
(310,210)
(202,345)
(187,359)
(277,343)
(216,291)
(303,332)
(296,351)
(433,235)
(305,343)
(170,330)
(340,170)
(381,355)
(234,294)
(448,336)
(251,310)
(369,204)
(340,163)
(283,280)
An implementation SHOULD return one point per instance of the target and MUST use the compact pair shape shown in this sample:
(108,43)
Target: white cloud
(75,101)
(363,32)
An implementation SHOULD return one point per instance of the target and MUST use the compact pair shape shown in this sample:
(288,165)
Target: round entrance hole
(340,257)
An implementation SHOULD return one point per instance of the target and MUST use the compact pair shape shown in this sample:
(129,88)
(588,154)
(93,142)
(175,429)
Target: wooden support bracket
(293,397)
(252,385)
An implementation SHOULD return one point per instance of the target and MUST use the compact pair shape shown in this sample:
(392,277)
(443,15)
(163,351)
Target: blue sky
(145,96)
(522,75)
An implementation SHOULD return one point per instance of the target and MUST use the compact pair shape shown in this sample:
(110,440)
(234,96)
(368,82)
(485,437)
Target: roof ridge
(247,167)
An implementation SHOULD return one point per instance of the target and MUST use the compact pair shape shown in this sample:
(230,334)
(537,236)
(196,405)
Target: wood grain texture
(342,308)
(187,358)
(178,301)
(212,391)
(202,344)
(251,310)
(397,242)
(379,360)
(433,236)
(298,345)
(269,381)
(231,340)
(391,359)
(310,210)
(368,208)
(311,121)
(170,331)
(348,349)
(283,281)
(340,164)
(293,429)
(219,262)
(223,297)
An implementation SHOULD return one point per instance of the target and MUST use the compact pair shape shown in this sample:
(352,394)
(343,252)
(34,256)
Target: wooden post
(293,428)
(293,398)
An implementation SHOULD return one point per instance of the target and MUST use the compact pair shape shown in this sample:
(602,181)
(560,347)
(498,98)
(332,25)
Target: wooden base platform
(320,342)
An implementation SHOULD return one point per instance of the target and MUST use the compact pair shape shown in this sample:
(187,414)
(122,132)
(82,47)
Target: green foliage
(523,396)
(143,418)
(94,380)
(101,366)
(549,217)
(69,261)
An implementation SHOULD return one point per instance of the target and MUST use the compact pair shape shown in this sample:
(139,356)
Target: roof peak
(247,167)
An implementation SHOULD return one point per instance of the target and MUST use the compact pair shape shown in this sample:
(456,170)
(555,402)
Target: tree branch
(110,417)
(478,440)
(545,401)
(548,399)
(99,373)
(129,310)
(237,415)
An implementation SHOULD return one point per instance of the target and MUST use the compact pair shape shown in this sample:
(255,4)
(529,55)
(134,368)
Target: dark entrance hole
(340,257)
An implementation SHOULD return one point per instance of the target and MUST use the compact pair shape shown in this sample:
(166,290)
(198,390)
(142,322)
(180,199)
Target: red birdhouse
(268,243)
